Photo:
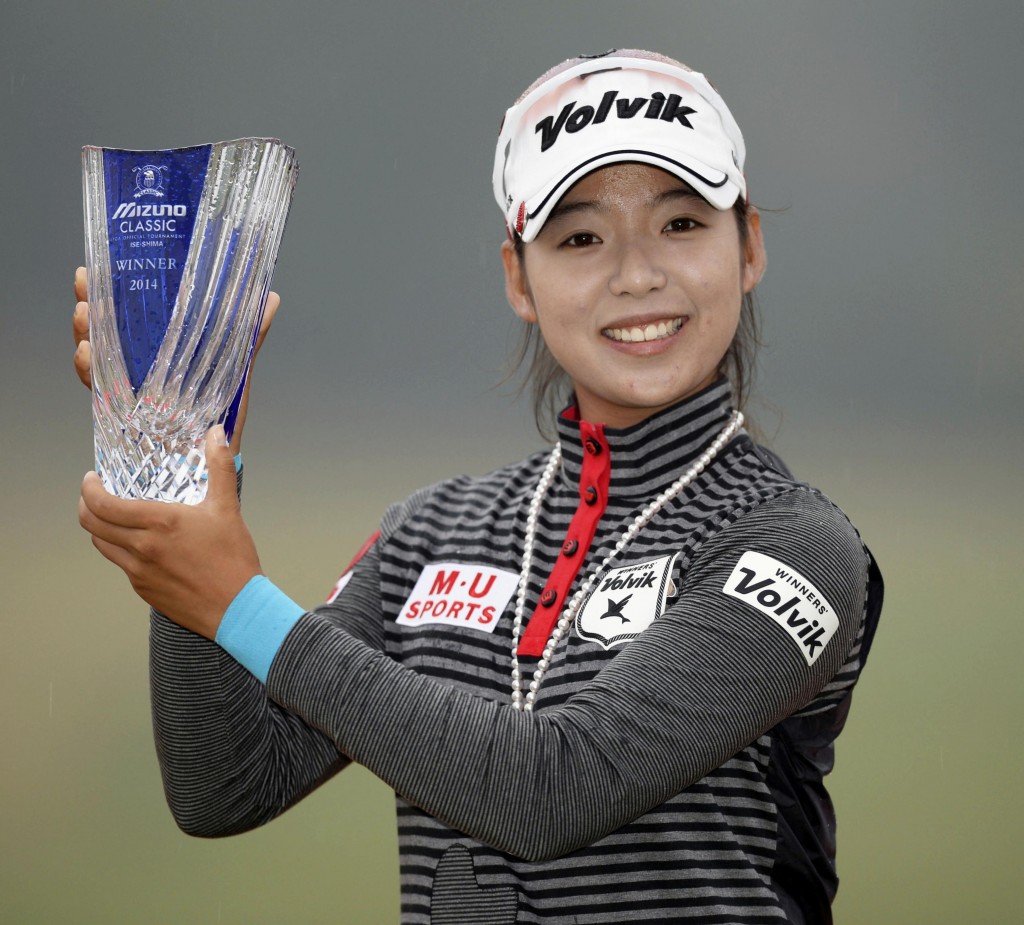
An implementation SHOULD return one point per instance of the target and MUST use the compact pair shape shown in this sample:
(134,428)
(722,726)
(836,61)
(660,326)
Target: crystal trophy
(180,249)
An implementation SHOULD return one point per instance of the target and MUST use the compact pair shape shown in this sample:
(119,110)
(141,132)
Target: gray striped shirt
(676,776)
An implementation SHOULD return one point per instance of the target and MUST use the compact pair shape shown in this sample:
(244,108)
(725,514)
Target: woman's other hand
(80,328)
(83,352)
(187,561)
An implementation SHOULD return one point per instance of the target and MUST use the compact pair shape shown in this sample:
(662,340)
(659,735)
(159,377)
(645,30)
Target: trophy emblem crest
(149,180)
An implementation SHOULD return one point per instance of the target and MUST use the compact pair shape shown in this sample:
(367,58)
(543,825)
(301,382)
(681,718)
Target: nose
(638,271)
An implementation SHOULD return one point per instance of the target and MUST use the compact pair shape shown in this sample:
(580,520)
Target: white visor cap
(610,110)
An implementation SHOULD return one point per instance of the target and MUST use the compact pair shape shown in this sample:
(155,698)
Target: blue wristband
(256,623)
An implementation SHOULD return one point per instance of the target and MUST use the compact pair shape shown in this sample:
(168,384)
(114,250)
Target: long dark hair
(552,389)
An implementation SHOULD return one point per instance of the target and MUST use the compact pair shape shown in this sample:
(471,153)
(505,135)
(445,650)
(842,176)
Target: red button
(590,495)
(569,547)
(592,446)
(548,598)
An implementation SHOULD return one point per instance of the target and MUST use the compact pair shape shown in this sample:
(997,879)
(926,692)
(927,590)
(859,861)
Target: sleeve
(231,758)
(708,677)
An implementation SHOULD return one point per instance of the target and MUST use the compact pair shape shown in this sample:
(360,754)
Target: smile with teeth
(642,333)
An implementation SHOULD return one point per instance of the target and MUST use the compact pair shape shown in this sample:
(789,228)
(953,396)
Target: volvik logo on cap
(576,118)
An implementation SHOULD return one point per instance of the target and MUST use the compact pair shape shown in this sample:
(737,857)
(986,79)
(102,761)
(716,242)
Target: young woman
(605,681)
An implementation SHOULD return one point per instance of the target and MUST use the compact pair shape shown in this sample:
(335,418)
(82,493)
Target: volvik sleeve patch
(788,598)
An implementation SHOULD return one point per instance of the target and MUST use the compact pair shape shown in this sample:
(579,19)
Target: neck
(596,410)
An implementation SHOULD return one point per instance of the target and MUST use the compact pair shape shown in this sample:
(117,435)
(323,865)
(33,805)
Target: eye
(581,239)
(682,224)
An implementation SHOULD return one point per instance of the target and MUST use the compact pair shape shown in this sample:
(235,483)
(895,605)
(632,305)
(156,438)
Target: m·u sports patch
(782,593)
(626,601)
(459,594)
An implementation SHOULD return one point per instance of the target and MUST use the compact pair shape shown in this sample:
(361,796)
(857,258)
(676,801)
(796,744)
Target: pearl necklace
(524,701)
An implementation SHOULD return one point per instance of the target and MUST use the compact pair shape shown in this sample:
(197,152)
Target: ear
(517,287)
(754,258)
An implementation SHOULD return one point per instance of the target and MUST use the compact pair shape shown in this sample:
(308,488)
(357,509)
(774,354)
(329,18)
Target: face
(636,283)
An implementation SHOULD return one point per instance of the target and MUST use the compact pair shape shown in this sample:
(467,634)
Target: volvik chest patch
(626,601)
(784,595)
(459,594)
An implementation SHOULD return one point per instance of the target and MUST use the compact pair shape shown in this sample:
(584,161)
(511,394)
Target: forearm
(698,685)
(231,759)
(500,776)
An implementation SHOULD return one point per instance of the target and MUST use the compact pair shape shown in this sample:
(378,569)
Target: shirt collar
(650,455)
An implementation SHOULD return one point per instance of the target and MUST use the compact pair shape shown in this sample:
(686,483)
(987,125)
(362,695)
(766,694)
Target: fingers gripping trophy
(180,250)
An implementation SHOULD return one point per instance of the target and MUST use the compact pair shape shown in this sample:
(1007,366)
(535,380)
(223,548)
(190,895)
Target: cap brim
(713,185)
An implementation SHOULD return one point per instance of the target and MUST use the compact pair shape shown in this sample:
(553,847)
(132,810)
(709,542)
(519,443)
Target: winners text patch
(459,594)
(783,594)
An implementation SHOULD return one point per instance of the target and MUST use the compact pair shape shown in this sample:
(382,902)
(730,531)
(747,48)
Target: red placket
(594,479)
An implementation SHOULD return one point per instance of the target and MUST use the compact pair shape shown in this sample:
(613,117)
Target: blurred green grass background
(927,774)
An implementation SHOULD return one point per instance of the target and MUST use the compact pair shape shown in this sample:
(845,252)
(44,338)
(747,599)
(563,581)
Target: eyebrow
(683,192)
(564,209)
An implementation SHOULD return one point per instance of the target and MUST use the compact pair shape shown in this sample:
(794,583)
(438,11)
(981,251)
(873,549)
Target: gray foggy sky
(885,134)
